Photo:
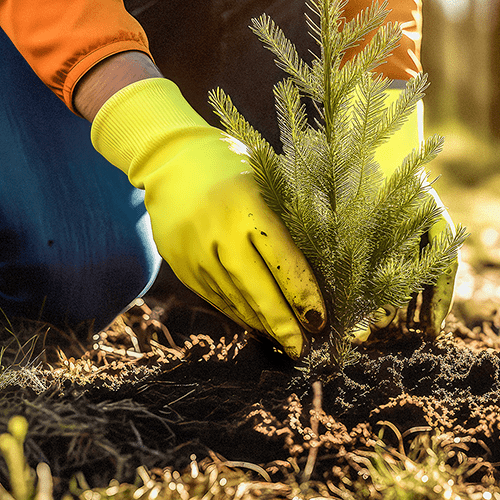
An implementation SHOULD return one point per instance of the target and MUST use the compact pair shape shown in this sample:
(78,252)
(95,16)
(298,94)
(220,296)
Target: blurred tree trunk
(434,47)
(462,58)
(478,83)
(495,71)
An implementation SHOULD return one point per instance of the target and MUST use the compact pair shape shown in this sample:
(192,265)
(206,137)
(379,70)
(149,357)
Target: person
(77,243)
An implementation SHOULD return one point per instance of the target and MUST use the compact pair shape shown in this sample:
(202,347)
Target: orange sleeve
(405,60)
(62,39)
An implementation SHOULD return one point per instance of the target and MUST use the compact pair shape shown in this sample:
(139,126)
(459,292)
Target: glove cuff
(139,119)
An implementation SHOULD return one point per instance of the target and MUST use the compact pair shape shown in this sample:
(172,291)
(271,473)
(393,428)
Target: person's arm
(405,59)
(110,76)
(116,72)
(63,40)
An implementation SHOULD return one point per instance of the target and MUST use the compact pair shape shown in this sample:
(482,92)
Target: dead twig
(313,450)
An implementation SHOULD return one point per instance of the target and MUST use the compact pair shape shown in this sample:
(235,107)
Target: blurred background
(461,54)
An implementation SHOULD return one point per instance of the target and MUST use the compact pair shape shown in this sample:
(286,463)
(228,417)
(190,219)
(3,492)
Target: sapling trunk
(360,232)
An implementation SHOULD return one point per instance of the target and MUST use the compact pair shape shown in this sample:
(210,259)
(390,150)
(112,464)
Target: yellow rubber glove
(209,220)
(437,300)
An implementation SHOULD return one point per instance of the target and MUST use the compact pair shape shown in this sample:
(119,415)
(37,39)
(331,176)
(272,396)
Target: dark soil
(132,398)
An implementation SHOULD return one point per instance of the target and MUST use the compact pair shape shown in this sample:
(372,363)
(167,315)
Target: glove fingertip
(314,320)
(294,345)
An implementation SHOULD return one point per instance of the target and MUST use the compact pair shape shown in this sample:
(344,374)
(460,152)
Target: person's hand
(209,220)
(437,299)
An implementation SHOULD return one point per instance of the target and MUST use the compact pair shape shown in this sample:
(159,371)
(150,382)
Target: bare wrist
(110,76)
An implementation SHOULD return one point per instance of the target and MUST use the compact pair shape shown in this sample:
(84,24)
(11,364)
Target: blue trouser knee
(75,237)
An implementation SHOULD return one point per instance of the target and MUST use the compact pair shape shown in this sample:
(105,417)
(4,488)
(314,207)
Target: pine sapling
(360,232)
